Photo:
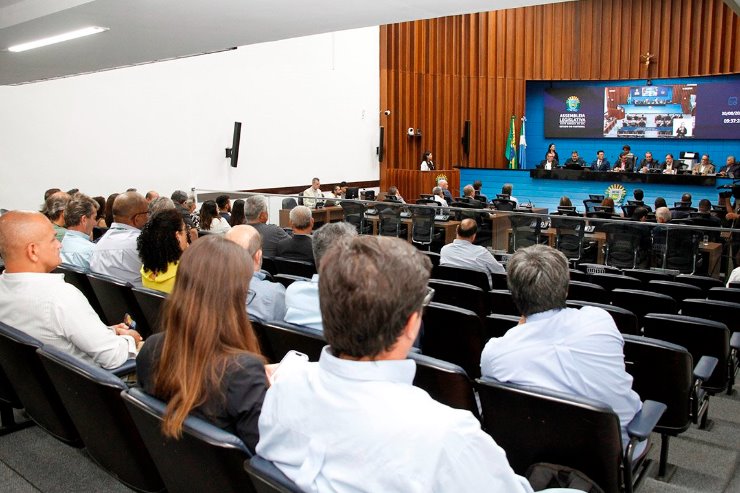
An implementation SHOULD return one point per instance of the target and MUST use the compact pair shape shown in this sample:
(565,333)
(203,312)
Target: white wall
(309,107)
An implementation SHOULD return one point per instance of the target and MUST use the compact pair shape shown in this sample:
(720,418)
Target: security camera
(387,112)
(410,131)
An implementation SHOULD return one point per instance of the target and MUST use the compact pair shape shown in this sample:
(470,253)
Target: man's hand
(123,330)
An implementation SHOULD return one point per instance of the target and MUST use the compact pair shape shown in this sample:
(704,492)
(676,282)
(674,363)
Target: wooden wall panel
(437,73)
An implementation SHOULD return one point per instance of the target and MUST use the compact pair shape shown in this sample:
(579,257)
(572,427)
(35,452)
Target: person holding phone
(207,359)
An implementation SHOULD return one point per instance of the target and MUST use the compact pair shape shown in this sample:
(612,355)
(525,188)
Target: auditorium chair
(390,221)
(642,302)
(526,230)
(569,237)
(587,291)
(461,295)
(665,372)
(701,337)
(461,274)
(150,303)
(294,267)
(204,458)
(681,251)
(445,382)
(116,299)
(624,244)
(726,312)
(503,204)
(92,397)
(78,278)
(267,478)
(734,285)
(534,425)
(679,291)
(724,294)
(9,400)
(703,282)
(626,321)
(354,214)
(289,203)
(422,228)
(497,325)
(589,268)
(646,275)
(611,282)
(502,302)
(278,338)
(590,205)
(32,385)
(454,335)
(287,279)
(577,275)
(434,257)
(98,232)
(269,265)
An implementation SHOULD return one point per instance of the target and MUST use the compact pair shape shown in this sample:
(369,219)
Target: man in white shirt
(116,254)
(302,297)
(439,196)
(354,421)
(312,193)
(558,348)
(79,216)
(265,300)
(463,253)
(43,305)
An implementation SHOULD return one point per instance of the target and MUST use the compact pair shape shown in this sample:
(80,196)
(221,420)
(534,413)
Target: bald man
(266,300)
(462,252)
(115,253)
(43,305)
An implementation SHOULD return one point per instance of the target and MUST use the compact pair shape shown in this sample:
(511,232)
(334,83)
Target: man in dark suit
(600,163)
(575,161)
(625,163)
(549,162)
(255,211)
(731,169)
(300,245)
(649,163)
(444,186)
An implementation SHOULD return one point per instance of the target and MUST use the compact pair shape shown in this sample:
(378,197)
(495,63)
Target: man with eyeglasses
(354,421)
(115,253)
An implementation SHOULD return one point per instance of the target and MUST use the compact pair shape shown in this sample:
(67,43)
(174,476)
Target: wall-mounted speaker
(381,144)
(233,153)
(466,137)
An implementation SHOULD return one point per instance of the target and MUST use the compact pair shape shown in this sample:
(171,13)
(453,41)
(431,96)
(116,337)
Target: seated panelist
(549,162)
(600,163)
(575,161)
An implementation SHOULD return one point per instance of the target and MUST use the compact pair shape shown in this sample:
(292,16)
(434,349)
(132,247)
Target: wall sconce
(413,133)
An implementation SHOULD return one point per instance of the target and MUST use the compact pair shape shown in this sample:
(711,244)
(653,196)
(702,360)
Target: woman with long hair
(109,209)
(210,220)
(207,360)
(100,216)
(161,243)
(237,213)
(551,148)
(426,161)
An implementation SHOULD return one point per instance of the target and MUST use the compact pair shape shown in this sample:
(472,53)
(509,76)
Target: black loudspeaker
(381,144)
(466,137)
(233,153)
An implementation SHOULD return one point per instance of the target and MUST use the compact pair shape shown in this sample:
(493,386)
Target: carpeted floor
(707,461)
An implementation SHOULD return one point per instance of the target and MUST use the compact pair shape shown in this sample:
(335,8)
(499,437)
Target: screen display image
(677,111)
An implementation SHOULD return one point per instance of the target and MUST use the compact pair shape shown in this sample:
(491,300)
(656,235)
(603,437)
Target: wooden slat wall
(437,73)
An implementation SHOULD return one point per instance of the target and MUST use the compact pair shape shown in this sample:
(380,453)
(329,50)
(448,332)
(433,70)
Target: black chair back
(679,291)
(725,312)
(642,302)
(461,274)
(422,225)
(92,396)
(454,335)
(499,280)
(598,269)
(287,279)
(445,382)
(267,478)
(681,251)
(205,458)
(294,267)
(503,204)
(703,282)
(534,425)
(626,321)
(281,337)
(433,256)
(269,265)
(117,299)
(354,213)
(98,232)
(78,278)
(648,275)
(588,291)
(611,282)
(526,230)
(289,203)
(461,295)
(497,324)
(569,236)
(32,385)
(502,302)
(724,294)
(150,303)
(578,275)
(700,336)
(390,221)
(623,241)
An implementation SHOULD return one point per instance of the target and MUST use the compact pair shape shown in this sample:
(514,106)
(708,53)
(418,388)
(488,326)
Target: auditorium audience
(51,191)
(640,214)
(43,305)
(54,209)
(207,358)
(477,186)
(265,299)
(354,421)
(600,163)
(705,213)
(100,216)
(224,207)
(393,196)
(109,209)
(298,246)
(151,195)
(731,169)
(302,297)
(160,204)
(660,202)
(237,213)
(608,202)
(558,348)
(734,276)
(684,209)
(115,253)
(179,197)
(469,197)
(508,189)
(312,193)
(210,220)
(77,247)
(705,167)
(462,252)
(445,191)
(438,196)
(255,210)
(565,202)
(161,243)
(662,215)
(669,166)
(426,162)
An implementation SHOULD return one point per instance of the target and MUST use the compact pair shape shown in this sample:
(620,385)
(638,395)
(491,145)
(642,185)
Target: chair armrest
(644,421)
(735,341)
(704,368)
(128,367)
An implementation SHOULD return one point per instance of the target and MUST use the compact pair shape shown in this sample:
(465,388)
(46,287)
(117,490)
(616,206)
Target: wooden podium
(411,183)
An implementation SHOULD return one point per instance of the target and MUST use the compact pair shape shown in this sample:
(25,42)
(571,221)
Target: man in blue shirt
(79,216)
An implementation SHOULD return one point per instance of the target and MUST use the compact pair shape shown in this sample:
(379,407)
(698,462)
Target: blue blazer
(605,165)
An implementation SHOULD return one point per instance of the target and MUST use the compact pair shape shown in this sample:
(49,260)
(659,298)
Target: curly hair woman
(161,243)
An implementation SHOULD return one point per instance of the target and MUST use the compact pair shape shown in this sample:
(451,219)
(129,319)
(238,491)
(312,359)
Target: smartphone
(291,360)
(130,322)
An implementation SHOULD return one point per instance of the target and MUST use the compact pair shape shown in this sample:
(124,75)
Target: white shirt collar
(397,371)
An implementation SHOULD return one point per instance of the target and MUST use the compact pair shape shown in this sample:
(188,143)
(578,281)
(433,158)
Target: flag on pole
(523,146)
(511,145)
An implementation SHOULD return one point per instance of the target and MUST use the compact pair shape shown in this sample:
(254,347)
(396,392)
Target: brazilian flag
(511,146)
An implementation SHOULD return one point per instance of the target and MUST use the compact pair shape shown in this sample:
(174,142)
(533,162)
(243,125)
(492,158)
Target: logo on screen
(573,103)
(732,101)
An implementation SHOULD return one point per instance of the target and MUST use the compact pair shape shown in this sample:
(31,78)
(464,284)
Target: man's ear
(257,259)
(412,327)
(32,252)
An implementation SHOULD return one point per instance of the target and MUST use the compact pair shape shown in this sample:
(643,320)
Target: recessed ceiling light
(79,33)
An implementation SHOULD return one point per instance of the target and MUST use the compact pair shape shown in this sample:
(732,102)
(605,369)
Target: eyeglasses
(427,298)
(250,296)
(133,218)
